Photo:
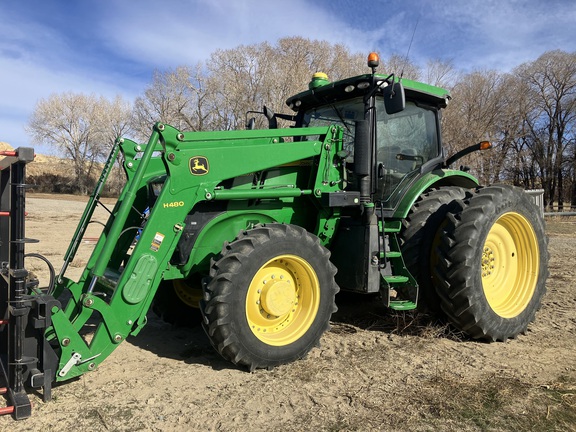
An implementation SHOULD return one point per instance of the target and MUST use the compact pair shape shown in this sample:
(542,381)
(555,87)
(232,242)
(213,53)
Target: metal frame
(14,307)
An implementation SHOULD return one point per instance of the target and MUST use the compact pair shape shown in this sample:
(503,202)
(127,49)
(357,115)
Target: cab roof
(329,92)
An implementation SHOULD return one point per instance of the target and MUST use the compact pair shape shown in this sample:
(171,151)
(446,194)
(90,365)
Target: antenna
(409,46)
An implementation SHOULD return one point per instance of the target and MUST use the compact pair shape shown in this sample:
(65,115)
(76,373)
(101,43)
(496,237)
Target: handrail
(89,210)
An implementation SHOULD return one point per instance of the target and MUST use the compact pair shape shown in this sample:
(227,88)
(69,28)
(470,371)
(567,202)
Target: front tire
(493,264)
(270,296)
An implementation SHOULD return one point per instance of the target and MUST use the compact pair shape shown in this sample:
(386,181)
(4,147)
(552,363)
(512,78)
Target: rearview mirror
(394,98)
(271,116)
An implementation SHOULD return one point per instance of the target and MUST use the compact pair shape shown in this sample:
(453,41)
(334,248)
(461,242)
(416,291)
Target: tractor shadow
(356,312)
(367,312)
(188,344)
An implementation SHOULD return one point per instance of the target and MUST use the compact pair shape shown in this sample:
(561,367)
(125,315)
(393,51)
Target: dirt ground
(375,369)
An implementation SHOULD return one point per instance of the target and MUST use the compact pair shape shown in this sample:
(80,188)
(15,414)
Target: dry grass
(561,225)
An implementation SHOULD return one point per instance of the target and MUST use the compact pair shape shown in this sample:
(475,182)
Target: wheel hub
(278,296)
(282,300)
(487,261)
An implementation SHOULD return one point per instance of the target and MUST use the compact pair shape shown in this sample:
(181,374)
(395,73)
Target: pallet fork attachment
(23,317)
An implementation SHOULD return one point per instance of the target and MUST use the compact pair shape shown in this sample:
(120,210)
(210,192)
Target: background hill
(51,174)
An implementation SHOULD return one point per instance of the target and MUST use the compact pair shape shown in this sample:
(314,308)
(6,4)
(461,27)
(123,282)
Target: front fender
(221,229)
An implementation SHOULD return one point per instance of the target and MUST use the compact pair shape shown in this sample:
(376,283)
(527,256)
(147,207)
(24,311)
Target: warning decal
(158,239)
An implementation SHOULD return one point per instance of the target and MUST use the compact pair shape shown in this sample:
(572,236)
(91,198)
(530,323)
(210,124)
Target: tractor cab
(400,122)
(392,153)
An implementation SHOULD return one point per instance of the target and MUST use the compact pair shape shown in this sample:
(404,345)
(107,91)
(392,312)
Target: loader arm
(135,252)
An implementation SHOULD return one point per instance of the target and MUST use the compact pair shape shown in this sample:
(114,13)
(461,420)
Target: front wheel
(492,269)
(270,296)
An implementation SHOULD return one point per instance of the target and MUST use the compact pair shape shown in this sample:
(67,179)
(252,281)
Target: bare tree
(115,119)
(80,127)
(549,112)
(236,82)
(440,73)
(177,97)
(401,66)
(247,77)
(475,114)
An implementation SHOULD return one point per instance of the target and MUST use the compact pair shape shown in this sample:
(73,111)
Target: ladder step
(396,279)
(402,305)
(393,227)
(393,254)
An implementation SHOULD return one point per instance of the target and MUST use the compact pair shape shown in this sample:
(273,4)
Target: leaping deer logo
(199,165)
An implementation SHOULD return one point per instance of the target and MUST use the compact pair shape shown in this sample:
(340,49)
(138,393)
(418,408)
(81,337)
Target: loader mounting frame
(21,357)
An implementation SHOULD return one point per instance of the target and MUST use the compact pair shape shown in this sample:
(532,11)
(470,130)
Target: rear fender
(431,180)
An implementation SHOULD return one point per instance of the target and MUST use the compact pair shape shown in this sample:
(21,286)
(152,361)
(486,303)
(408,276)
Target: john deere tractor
(254,232)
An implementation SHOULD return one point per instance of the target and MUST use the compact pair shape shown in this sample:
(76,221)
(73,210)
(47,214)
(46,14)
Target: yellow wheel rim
(510,265)
(282,300)
(189,295)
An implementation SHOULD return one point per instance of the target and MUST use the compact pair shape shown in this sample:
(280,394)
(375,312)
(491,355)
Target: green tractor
(254,232)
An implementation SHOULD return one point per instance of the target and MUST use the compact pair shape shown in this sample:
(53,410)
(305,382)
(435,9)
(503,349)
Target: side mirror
(251,124)
(271,116)
(394,98)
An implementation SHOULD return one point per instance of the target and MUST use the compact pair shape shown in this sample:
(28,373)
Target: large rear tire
(493,264)
(270,296)
(420,236)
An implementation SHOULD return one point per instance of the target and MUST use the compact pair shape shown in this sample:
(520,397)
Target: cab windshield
(345,113)
(405,141)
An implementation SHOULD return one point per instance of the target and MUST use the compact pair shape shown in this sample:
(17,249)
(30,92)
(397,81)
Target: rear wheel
(420,236)
(493,265)
(270,296)
(177,302)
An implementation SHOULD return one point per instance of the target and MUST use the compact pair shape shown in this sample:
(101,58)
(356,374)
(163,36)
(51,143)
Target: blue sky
(109,47)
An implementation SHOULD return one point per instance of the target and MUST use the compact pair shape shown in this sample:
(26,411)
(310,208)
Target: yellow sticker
(158,239)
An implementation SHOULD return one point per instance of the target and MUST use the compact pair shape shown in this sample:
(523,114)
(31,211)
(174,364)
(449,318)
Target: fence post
(537,197)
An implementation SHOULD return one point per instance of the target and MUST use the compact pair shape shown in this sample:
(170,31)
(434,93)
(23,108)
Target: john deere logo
(199,165)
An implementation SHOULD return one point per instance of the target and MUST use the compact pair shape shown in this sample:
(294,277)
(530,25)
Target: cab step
(402,305)
(396,279)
